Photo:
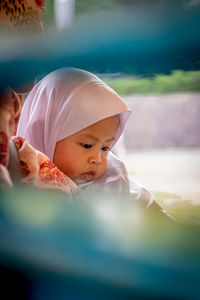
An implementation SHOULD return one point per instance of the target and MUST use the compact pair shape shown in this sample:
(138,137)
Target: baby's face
(83,155)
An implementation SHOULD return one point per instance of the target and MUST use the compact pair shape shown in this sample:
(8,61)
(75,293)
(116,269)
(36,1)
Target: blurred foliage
(81,7)
(92,6)
(177,81)
(183,211)
(48,14)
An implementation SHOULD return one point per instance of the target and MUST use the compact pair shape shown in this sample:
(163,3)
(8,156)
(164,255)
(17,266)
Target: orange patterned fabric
(39,170)
(21,15)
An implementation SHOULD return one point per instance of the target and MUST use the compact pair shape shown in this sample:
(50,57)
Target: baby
(75,119)
(83,156)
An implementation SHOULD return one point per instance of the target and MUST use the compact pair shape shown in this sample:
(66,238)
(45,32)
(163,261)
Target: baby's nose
(95,158)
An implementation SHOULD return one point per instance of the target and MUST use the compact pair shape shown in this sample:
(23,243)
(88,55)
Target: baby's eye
(105,148)
(86,146)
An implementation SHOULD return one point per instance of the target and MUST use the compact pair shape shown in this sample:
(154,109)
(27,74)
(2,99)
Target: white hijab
(65,102)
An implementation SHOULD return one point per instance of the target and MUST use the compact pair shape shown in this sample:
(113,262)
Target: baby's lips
(92,173)
(88,175)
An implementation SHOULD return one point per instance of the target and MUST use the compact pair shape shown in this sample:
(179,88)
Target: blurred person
(15,16)
(10,108)
(75,119)
(21,163)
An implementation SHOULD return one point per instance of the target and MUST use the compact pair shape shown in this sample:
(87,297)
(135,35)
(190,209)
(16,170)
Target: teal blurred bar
(141,42)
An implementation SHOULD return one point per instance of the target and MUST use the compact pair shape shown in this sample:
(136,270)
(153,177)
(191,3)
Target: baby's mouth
(88,175)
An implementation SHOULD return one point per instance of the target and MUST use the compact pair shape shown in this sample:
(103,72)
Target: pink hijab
(67,101)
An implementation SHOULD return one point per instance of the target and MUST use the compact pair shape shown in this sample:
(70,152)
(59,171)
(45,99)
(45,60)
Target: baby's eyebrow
(95,138)
(89,136)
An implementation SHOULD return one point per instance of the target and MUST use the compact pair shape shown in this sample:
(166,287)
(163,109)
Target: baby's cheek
(63,165)
(102,168)
(72,169)
(105,161)
(69,171)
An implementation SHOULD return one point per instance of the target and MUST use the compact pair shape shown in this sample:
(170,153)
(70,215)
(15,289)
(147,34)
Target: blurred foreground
(51,248)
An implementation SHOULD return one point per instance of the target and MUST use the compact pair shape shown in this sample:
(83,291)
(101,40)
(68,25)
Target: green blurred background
(150,82)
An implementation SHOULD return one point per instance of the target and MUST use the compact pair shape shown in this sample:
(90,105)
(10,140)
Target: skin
(10,109)
(83,156)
